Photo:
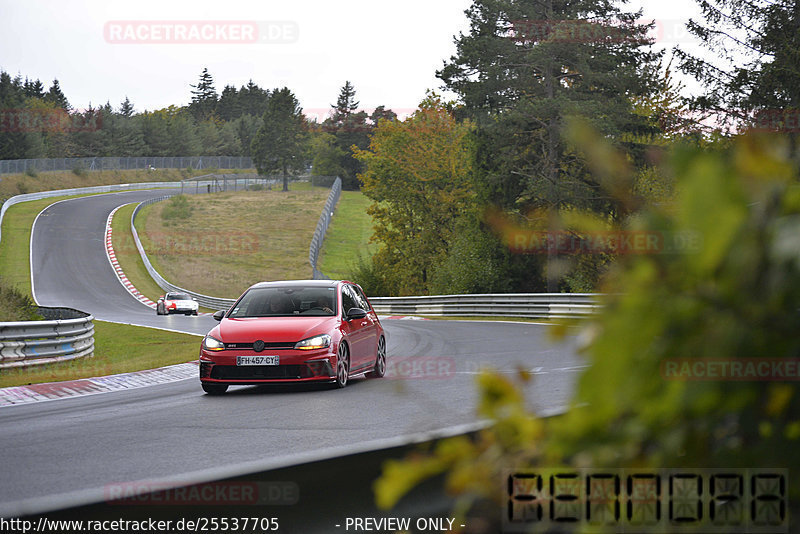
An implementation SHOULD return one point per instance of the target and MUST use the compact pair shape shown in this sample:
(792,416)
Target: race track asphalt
(170,430)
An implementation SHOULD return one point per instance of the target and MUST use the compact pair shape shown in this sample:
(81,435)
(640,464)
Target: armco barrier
(527,305)
(322,228)
(214,303)
(217,303)
(81,191)
(65,334)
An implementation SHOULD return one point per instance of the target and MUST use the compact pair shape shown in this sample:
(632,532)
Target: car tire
(379,371)
(215,389)
(194,312)
(159,309)
(342,365)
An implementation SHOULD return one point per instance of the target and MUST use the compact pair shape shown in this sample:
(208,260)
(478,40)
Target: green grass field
(16,239)
(118,348)
(347,237)
(232,240)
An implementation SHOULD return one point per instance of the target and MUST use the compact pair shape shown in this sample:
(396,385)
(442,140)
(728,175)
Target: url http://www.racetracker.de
(201,524)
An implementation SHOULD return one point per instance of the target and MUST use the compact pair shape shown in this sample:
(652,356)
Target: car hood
(272,329)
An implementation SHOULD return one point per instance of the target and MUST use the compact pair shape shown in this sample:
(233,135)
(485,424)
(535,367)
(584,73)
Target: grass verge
(128,255)
(230,241)
(16,242)
(143,348)
(347,237)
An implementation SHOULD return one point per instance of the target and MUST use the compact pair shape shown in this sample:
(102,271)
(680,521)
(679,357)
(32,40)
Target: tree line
(472,196)
(691,360)
(35,123)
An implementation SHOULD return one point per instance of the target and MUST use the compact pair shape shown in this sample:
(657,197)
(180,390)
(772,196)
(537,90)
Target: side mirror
(219,315)
(355,313)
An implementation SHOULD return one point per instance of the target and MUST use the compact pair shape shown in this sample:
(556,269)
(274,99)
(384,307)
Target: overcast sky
(390,51)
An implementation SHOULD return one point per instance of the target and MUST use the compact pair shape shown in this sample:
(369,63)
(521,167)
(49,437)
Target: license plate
(258,360)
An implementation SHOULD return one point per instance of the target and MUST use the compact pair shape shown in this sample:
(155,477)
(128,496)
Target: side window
(347,299)
(362,299)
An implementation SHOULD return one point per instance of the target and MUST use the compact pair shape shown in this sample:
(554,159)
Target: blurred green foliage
(735,296)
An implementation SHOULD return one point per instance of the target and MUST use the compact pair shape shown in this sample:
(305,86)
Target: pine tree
(521,70)
(56,96)
(33,89)
(229,107)
(14,144)
(126,108)
(346,104)
(204,97)
(757,43)
(280,142)
(253,99)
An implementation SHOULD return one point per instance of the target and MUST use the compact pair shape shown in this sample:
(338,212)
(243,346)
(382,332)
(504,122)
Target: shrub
(14,306)
(176,207)
(732,299)
(31,172)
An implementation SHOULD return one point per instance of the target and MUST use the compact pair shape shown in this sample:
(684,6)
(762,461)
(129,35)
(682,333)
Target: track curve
(70,268)
(88,442)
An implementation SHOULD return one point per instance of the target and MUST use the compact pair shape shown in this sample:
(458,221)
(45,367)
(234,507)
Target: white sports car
(176,303)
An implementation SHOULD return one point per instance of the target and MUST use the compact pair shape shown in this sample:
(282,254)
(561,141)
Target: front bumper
(182,309)
(295,366)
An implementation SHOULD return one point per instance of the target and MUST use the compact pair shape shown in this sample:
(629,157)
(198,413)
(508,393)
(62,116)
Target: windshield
(178,296)
(286,302)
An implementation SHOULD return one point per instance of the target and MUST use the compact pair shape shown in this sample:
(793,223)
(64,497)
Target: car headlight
(211,343)
(316,342)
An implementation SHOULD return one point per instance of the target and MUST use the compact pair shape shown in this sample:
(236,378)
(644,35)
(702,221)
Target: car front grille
(257,372)
(267,346)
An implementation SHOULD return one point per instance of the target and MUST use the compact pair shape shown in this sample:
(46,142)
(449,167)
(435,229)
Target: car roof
(290,283)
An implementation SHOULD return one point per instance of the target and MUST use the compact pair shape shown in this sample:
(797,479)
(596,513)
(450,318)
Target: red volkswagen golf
(294,331)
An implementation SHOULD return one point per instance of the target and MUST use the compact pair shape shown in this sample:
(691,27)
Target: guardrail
(217,303)
(527,305)
(81,191)
(66,334)
(322,228)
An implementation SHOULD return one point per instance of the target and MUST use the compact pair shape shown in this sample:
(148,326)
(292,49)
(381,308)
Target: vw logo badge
(258,346)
